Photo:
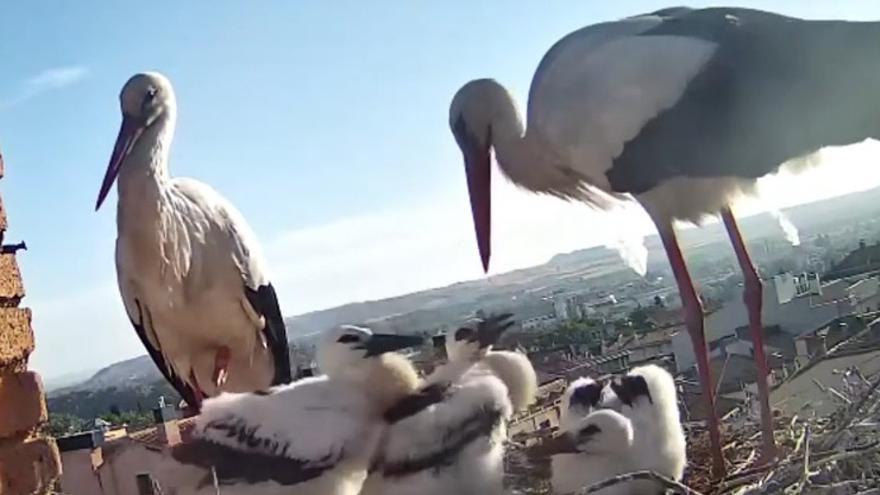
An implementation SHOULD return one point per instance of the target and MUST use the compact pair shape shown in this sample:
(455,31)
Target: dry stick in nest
(854,411)
(805,476)
(668,484)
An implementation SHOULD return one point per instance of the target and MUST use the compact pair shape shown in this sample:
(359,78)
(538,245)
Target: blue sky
(324,122)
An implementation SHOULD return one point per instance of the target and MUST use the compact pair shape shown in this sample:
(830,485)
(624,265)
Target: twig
(835,487)
(745,463)
(847,454)
(806,473)
(667,483)
(215,480)
(854,411)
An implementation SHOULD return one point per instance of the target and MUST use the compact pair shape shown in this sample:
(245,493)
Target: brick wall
(29,462)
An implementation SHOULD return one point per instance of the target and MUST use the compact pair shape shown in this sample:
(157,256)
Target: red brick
(28,468)
(22,403)
(11,288)
(16,338)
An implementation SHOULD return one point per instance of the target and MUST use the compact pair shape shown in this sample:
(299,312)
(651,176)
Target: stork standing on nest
(189,268)
(683,110)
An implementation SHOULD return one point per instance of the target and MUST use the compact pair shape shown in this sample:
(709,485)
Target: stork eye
(347,339)
(463,333)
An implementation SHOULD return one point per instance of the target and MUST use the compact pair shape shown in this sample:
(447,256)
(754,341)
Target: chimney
(166,423)
(823,346)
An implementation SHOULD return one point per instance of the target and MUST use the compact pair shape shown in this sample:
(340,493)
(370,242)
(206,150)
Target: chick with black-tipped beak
(591,449)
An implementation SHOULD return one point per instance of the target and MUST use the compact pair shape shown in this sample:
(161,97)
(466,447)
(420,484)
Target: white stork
(683,110)
(314,436)
(581,397)
(189,268)
(646,396)
(448,437)
(591,449)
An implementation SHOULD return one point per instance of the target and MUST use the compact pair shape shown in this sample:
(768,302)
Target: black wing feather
(232,465)
(186,392)
(265,303)
(775,89)
(417,402)
(455,439)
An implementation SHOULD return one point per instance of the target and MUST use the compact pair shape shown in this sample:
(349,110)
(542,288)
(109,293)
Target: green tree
(61,424)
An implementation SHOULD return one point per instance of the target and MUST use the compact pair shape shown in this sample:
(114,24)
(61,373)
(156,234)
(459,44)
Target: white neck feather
(521,154)
(143,178)
(145,170)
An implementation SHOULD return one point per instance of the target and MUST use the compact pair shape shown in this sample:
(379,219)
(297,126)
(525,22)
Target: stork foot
(221,366)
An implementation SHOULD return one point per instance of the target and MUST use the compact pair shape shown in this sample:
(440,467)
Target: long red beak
(129,133)
(479,178)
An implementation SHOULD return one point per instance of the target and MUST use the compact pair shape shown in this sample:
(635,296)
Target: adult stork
(189,268)
(682,110)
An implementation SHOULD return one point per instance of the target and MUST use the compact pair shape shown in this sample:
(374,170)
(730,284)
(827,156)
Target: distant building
(538,316)
(803,313)
(864,259)
(107,463)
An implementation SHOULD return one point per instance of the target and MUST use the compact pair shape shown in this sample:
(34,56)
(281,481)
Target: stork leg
(193,409)
(693,317)
(753,297)
(221,366)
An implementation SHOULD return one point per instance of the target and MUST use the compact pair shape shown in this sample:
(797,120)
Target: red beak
(129,133)
(479,179)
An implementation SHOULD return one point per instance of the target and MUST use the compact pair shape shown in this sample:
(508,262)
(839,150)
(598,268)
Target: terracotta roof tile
(150,436)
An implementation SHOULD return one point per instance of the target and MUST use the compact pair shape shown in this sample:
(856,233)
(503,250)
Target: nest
(836,455)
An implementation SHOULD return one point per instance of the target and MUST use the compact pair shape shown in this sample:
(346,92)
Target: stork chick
(472,344)
(315,436)
(581,397)
(592,449)
(448,437)
(647,397)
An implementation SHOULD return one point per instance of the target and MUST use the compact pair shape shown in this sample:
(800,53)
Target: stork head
(475,109)
(647,393)
(144,99)
(629,391)
(601,432)
(581,397)
(476,337)
(346,351)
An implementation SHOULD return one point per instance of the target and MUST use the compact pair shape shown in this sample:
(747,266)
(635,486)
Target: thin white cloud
(47,80)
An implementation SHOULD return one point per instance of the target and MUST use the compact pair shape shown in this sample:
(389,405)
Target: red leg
(693,317)
(753,298)
(221,366)
(193,409)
